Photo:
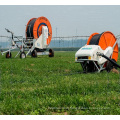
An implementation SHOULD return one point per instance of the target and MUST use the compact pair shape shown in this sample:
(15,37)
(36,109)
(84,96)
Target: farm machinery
(38,37)
(100,52)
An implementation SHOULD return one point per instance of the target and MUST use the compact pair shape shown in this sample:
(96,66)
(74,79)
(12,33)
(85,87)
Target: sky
(69,20)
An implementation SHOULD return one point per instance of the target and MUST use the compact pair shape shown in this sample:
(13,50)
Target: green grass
(46,85)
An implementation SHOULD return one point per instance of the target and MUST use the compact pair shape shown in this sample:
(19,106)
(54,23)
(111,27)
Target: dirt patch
(67,70)
(30,70)
(65,113)
(115,71)
(32,64)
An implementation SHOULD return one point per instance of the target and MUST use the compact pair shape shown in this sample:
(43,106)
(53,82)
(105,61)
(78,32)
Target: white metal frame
(24,46)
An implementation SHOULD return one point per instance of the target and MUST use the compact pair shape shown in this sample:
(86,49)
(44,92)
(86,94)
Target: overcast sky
(69,20)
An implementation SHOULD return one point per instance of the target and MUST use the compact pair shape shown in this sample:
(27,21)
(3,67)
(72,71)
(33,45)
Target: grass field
(46,85)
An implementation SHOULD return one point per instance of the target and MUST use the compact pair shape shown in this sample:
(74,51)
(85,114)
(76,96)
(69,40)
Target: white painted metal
(40,43)
(89,53)
(42,53)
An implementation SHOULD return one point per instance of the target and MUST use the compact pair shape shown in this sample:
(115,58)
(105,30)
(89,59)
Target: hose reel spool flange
(105,40)
(34,28)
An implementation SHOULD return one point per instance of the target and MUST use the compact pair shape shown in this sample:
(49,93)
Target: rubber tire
(8,56)
(21,55)
(51,53)
(34,54)
(110,66)
(88,67)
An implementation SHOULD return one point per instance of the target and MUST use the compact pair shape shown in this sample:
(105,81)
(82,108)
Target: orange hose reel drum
(37,28)
(104,40)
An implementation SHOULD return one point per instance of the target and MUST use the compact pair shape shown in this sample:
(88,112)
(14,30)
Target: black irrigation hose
(95,39)
(30,28)
(113,62)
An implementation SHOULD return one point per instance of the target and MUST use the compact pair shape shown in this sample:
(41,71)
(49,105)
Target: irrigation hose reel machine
(40,31)
(100,52)
(38,38)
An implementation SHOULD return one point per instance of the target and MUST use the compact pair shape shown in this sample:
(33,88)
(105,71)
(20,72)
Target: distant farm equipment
(38,37)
